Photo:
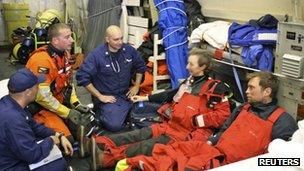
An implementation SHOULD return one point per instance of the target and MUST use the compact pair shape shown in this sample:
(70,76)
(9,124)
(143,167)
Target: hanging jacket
(173,24)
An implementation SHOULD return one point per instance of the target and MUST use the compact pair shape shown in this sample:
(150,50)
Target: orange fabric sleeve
(42,60)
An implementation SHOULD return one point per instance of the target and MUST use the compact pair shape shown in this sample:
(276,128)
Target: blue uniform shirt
(19,134)
(110,73)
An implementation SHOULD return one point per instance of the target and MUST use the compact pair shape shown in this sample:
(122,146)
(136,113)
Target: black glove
(82,108)
(86,119)
(74,116)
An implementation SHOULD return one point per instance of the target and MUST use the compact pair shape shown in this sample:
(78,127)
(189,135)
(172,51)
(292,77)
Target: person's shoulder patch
(43,70)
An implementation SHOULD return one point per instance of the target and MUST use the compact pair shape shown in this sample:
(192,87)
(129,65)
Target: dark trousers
(140,140)
(113,115)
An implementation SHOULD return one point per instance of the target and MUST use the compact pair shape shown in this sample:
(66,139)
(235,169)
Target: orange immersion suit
(58,72)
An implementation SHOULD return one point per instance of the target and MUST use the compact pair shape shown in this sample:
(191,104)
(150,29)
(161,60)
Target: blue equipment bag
(143,114)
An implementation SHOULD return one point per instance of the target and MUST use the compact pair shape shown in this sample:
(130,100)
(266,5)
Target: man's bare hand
(132,91)
(139,98)
(107,99)
(67,146)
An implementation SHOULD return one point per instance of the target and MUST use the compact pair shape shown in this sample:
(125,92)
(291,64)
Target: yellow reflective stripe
(74,97)
(63,111)
(46,99)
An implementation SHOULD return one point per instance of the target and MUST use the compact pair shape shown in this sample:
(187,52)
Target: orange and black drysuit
(52,97)
(179,126)
(246,133)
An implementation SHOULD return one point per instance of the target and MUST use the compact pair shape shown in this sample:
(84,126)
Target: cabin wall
(244,10)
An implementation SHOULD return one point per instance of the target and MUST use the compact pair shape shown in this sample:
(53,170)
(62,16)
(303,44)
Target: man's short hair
(54,30)
(204,57)
(267,79)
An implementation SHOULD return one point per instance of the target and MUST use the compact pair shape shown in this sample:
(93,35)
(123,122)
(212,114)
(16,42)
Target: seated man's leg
(190,155)
(113,115)
(110,156)
(131,136)
(53,121)
(145,147)
(115,141)
(115,145)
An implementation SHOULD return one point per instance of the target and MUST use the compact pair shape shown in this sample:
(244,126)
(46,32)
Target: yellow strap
(46,99)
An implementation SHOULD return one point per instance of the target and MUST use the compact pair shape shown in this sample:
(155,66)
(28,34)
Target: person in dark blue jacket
(106,73)
(19,133)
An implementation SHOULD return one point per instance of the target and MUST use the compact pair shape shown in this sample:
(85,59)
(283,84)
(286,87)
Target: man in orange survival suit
(190,100)
(56,98)
(246,133)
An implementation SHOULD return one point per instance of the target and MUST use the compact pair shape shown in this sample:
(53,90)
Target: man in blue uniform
(19,133)
(106,73)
